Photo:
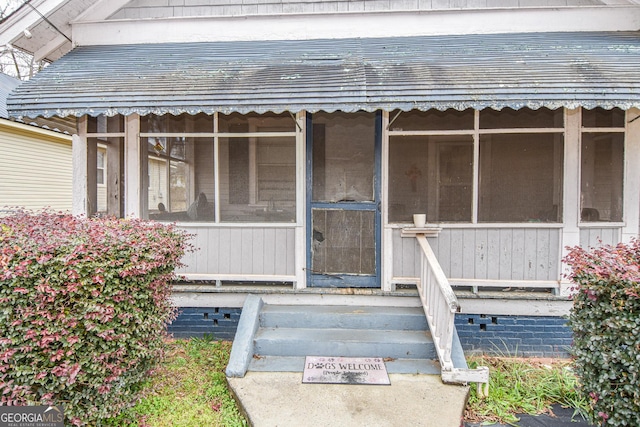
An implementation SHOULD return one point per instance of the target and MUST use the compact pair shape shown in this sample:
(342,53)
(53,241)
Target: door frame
(346,280)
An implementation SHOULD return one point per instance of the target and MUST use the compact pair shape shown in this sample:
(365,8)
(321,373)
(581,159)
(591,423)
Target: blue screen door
(343,199)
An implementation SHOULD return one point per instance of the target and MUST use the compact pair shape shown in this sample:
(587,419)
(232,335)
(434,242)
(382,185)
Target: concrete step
(344,343)
(275,338)
(296,364)
(339,317)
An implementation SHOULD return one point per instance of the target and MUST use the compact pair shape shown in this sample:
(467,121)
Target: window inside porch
(257,168)
(602,165)
(476,166)
(433,175)
(520,178)
(222,168)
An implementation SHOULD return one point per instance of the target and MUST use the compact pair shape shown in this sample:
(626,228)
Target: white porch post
(631,195)
(571,191)
(79,201)
(386,267)
(301,202)
(133,181)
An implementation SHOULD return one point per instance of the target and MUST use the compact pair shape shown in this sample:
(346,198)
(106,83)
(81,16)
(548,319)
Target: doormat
(345,370)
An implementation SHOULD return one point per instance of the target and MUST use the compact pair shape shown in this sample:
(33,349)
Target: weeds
(524,386)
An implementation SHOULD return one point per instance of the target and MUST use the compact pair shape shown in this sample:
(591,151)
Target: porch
(298,165)
(317,206)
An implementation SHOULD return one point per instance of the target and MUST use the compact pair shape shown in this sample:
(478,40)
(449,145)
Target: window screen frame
(475,133)
(216,135)
(602,129)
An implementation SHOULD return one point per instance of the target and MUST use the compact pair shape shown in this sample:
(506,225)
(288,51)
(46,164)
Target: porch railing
(440,306)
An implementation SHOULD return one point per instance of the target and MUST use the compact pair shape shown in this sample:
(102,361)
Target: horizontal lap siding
(592,237)
(35,173)
(137,9)
(485,253)
(236,250)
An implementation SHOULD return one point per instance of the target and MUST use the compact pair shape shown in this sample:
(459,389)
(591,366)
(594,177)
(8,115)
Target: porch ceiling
(469,71)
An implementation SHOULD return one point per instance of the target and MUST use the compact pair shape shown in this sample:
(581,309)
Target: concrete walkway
(279,399)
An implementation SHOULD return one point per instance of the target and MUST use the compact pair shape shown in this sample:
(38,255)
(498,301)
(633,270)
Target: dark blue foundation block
(216,322)
(528,336)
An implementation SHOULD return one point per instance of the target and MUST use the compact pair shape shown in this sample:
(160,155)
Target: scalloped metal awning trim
(532,70)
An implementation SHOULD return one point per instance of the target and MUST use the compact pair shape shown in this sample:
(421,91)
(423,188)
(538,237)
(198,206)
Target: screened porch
(256,190)
(302,162)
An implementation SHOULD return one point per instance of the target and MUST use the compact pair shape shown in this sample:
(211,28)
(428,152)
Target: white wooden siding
(35,170)
(592,236)
(140,9)
(256,251)
(485,253)
(102,198)
(158,187)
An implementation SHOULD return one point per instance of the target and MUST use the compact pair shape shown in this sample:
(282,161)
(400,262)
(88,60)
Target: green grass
(189,389)
(524,386)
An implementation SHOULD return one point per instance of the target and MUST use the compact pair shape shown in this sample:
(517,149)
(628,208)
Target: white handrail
(439,302)
(440,306)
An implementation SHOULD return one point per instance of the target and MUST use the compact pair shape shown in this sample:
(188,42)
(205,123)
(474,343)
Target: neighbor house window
(100,166)
(105,142)
(240,169)
(602,165)
(168,174)
(518,176)
(180,169)
(101,173)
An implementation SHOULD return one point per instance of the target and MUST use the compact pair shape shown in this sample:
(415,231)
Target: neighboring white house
(296,139)
(35,165)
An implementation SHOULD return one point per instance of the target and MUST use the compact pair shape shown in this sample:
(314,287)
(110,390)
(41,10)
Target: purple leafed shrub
(84,305)
(606,325)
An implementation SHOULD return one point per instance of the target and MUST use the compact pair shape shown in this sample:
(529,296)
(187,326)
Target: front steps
(276,338)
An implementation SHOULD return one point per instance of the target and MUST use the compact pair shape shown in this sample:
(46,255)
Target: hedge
(605,320)
(84,304)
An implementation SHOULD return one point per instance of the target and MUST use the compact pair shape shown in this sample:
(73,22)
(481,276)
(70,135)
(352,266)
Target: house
(296,140)
(35,166)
